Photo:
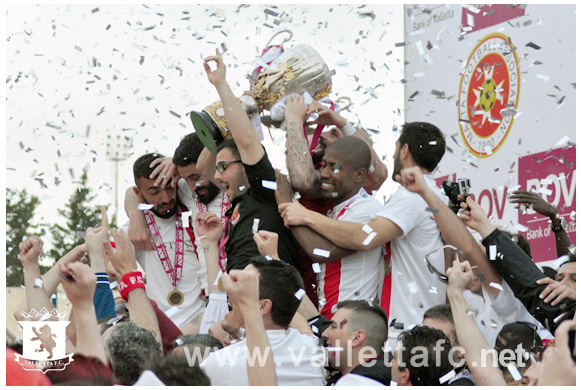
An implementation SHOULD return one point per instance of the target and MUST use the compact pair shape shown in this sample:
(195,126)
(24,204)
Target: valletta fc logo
(489,91)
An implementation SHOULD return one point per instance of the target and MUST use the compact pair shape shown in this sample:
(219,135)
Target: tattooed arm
(304,178)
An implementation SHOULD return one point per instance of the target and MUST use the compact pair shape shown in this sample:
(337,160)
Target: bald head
(353,151)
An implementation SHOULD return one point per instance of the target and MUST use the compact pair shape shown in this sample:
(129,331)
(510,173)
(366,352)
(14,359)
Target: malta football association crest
(44,341)
(489,91)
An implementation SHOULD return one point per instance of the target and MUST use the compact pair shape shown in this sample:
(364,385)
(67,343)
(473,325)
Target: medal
(175,297)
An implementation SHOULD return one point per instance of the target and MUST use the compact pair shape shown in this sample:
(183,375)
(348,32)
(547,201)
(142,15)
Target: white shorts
(215,311)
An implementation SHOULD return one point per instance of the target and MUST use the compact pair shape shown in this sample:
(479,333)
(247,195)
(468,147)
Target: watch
(560,226)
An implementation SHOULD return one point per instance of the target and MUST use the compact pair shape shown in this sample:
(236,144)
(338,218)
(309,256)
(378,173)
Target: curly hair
(129,348)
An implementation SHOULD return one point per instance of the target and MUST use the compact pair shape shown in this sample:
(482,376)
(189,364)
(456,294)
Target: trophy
(297,70)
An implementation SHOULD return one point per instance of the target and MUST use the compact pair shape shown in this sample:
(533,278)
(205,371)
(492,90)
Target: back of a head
(175,370)
(141,166)
(422,372)
(442,312)
(279,282)
(199,346)
(188,151)
(426,143)
(129,348)
(353,151)
(370,317)
(520,333)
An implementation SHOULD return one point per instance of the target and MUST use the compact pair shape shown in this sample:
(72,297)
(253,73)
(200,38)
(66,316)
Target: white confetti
(433,142)
(321,252)
(300,294)
(488,150)
(514,372)
(420,48)
(412,287)
(562,141)
(367,229)
(433,290)
(546,181)
(267,257)
(241,188)
(144,206)
(521,228)
(37,283)
(545,191)
(496,286)
(255,225)
(334,194)
(186,218)
(392,383)
(513,188)
(470,20)
(45,317)
(218,277)
(315,329)
(271,185)
(369,238)
(113,285)
(492,252)
(559,317)
(317,268)
(296,196)
(448,376)
(172,311)
(544,77)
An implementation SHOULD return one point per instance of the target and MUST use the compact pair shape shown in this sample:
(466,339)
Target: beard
(396,169)
(212,191)
(166,214)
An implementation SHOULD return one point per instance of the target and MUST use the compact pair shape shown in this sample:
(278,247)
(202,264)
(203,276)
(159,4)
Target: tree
(79,216)
(20,209)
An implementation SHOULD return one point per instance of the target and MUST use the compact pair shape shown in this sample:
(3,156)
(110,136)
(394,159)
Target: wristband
(130,281)
(348,129)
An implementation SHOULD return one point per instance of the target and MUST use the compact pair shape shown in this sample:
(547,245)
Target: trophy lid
(207,130)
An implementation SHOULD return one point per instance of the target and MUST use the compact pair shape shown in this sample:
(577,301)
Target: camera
(452,190)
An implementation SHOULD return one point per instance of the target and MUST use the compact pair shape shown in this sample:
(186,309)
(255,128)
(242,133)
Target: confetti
(562,142)
(559,317)
(469,313)
(514,372)
(545,191)
(113,285)
(300,294)
(433,290)
(367,229)
(336,168)
(334,349)
(492,252)
(369,238)
(186,219)
(448,376)
(172,311)
(543,77)
(115,320)
(392,383)
(267,257)
(334,194)
(315,329)
(532,46)
(496,286)
(255,225)
(433,142)
(37,283)
(514,188)
(317,268)
(144,206)
(218,277)
(334,308)
(242,188)
(271,185)
(45,317)
(493,323)
(321,252)
(412,287)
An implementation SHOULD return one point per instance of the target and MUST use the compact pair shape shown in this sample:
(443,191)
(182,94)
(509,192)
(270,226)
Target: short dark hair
(426,337)
(442,312)
(279,282)
(175,370)
(141,166)
(229,144)
(129,348)
(370,317)
(201,340)
(354,152)
(426,143)
(188,151)
(514,334)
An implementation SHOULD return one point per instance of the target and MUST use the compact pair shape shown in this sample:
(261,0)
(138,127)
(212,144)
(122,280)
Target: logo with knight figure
(489,92)
(44,341)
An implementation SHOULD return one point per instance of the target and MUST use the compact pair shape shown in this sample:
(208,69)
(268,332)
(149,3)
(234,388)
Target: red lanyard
(174,274)
(344,209)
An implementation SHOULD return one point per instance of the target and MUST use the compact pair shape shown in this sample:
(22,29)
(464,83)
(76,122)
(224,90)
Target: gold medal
(175,297)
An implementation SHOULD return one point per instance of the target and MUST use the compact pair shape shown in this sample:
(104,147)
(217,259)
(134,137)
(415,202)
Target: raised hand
(284,191)
(79,282)
(534,201)
(475,218)
(459,276)
(209,226)
(95,237)
(242,288)
(296,109)
(217,76)
(326,115)
(164,171)
(30,250)
(122,258)
(267,243)
(412,179)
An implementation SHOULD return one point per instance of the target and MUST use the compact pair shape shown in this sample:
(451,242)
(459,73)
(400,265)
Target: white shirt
(410,278)
(297,360)
(190,200)
(157,281)
(354,277)
(492,314)
(357,380)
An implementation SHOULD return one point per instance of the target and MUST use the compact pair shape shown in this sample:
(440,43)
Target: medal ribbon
(174,274)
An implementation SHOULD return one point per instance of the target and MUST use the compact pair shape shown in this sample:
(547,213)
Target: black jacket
(522,274)
(378,371)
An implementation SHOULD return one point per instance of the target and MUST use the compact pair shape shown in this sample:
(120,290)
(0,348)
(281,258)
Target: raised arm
(303,175)
(469,336)
(138,232)
(36,297)
(122,258)
(537,203)
(452,229)
(210,227)
(239,124)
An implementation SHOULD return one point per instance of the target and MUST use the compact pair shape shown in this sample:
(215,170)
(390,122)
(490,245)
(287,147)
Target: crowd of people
(231,273)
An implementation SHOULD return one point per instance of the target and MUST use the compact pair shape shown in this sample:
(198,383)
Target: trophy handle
(342,98)
(280,32)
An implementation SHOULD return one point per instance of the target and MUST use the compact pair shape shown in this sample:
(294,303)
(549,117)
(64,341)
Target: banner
(499,81)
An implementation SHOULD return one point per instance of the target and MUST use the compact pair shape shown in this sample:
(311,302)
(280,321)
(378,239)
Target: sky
(84,82)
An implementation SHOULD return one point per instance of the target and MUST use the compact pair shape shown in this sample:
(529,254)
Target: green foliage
(79,216)
(20,209)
